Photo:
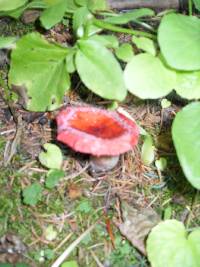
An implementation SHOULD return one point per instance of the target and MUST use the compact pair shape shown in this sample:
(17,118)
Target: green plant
(170,245)
(165,60)
(32,194)
(45,89)
(123,255)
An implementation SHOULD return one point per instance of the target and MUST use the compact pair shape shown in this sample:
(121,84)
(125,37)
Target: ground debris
(136,225)
(11,248)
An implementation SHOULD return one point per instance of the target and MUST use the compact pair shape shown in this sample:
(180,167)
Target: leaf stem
(110,27)
(190,7)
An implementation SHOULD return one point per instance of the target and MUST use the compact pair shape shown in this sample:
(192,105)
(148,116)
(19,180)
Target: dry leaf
(74,191)
(137,223)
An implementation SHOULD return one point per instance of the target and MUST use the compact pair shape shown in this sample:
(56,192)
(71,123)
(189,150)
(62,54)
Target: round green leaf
(168,245)
(51,157)
(145,44)
(32,194)
(186,137)
(147,77)
(188,84)
(38,73)
(179,40)
(125,52)
(6,5)
(100,71)
(53,177)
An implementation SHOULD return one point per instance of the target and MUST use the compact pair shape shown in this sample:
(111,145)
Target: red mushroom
(101,133)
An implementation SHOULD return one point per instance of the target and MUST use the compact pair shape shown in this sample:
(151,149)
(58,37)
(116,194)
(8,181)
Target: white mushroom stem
(103,163)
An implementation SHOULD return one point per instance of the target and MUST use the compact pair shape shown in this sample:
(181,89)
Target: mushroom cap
(96,131)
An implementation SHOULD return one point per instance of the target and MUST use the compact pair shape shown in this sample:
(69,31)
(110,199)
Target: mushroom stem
(103,163)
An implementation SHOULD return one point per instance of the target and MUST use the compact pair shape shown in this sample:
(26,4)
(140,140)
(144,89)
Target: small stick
(63,241)
(7,132)
(66,253)
(96,259)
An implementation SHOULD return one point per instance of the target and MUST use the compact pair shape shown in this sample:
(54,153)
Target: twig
(96,259)
(10,151)
(66,253)
(7,131)
(63,241)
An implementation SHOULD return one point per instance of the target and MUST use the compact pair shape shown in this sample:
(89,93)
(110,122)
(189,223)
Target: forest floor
(38,235)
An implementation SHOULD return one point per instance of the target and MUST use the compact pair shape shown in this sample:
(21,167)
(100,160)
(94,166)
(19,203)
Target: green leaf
(100,71)
(165,103)
(49,254)
(32,194)
(197,4)
(133,15)
(70,61)
(71,6)
(54,14)
(168,213)
(147,77)
(53,177)
(93,5)
(7,42)
(109,41)
(161,164)
(188,84)
(51,157)
(179,40)
(69,264)
(81,2)
(148,151)
(80,17)
(125,52)
(169,245)
(6,5)
(14,13)
(185,134)
(84,206)
(145,44)
(50,233)
(38,71)
(97,5)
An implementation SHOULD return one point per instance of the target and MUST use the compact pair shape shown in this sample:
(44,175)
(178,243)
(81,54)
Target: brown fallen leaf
(74,191)
(30,16)
(137,223)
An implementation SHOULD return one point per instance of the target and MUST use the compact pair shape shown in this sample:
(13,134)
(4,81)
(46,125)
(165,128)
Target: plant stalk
(110,27)
(190,3)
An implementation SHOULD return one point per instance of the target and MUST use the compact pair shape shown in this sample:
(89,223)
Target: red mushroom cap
(96,131)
